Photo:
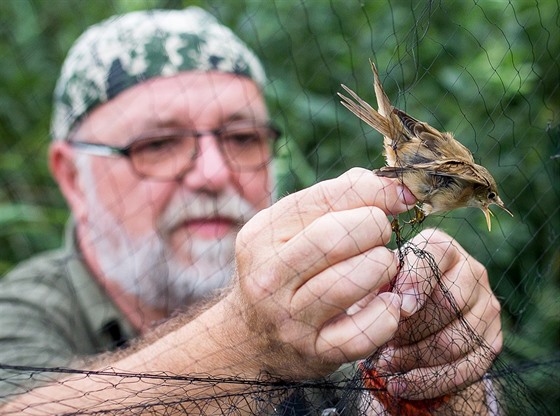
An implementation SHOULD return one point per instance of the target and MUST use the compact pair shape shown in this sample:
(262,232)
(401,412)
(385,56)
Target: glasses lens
(247,146)
(166,156)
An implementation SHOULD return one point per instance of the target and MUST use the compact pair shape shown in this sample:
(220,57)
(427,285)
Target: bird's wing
(454,168)
(394,172)
(441,145)
(459,169)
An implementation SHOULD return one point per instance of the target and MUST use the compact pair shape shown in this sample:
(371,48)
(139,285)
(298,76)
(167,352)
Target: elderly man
(162,144)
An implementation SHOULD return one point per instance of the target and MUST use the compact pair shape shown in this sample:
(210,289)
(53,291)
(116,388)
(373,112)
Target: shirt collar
(103,316)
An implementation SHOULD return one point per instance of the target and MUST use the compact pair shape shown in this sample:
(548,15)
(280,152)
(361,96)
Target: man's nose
(211,171)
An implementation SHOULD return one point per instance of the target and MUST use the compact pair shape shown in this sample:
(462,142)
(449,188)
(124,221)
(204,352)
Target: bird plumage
(438,169)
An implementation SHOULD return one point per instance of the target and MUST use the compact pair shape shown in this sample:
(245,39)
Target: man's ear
(62,163)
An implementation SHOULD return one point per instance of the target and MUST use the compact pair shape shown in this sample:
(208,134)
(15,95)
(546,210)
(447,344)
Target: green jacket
(52,311)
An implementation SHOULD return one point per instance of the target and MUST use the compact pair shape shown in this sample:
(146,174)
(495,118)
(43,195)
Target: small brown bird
(439,171)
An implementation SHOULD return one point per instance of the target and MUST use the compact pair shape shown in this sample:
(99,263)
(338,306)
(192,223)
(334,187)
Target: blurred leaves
(488,71)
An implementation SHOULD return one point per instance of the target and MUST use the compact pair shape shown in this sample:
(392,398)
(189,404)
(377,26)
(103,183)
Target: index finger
(354,189)
(357,188)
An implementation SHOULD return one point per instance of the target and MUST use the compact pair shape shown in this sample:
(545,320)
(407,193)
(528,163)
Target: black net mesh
(487,71)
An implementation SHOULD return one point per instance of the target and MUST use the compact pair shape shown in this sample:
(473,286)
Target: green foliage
(488,71)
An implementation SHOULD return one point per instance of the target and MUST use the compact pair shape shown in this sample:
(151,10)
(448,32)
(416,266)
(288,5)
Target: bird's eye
(491,195)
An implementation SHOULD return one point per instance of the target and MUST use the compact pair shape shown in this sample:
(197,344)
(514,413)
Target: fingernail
(396,300)
(405,196)
(409,303)
(384,359)
(396,386)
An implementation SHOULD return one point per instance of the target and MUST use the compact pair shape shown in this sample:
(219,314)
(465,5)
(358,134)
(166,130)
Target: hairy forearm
(195,365)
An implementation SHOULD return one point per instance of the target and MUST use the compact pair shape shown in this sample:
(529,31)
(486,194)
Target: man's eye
(156,145)
(246,138)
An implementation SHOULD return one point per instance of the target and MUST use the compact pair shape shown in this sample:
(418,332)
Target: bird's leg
(419,216)
(396,227)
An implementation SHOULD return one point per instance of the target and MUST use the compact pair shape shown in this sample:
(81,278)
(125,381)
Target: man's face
(170,241)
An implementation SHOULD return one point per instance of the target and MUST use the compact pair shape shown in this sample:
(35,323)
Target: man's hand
(450,330)
(310,294)
(306,261)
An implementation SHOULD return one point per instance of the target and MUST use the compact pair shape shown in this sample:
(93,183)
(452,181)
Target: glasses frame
(105,150)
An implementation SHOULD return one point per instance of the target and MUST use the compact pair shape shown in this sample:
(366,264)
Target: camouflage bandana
(125,50)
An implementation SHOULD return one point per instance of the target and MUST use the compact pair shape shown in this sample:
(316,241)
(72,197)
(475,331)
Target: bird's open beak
(500,203)
(487,214)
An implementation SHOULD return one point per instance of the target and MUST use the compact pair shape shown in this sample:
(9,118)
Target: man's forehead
(190,99)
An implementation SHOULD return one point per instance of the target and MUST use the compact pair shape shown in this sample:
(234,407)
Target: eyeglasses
(168,154)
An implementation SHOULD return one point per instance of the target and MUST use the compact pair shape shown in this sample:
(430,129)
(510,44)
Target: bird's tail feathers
(365,112)
(385,107)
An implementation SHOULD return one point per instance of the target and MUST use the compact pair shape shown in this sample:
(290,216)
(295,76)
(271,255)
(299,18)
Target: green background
(488,71)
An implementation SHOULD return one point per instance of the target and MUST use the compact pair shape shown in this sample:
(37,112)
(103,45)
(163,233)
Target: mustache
(183,208)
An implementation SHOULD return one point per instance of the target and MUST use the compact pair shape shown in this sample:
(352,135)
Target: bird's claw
(419,216)
(396,228)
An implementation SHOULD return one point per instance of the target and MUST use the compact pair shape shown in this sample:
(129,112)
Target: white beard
(148,268)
